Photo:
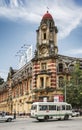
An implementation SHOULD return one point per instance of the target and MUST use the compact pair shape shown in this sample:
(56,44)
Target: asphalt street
(31,124)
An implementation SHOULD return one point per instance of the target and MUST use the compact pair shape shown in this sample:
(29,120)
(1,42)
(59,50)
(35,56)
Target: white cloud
(66,14)
(14,3)
(74,52)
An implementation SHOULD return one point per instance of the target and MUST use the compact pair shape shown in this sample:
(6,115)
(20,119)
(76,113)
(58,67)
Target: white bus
(51,110)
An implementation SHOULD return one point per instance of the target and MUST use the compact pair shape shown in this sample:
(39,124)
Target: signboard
(58,98)
(61,98)
(22,61)
(25,57)
(29,53)
(45,99)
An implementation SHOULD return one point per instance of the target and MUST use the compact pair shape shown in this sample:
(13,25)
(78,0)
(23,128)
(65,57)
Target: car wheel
(9,119)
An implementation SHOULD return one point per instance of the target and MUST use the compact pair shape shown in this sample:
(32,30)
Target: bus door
(58,112)
(63,110)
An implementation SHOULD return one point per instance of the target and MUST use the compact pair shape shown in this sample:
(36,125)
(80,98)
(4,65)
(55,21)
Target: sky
(19,20)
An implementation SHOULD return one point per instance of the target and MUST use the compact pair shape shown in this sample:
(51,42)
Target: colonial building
(40,78)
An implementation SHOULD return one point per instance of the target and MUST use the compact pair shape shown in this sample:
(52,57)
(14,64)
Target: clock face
(43,50)
(44,27)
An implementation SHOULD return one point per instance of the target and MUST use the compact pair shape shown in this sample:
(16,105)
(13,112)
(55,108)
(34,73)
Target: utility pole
(65,92)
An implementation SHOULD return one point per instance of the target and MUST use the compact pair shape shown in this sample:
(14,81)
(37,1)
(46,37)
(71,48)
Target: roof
(47,15)
(49,103)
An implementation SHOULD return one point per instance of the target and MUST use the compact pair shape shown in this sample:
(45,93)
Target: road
(32,124)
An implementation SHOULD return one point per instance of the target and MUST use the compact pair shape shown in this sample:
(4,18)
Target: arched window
(61,82)
(71,68)
(50,24)
(30,84)
(44,36)
(60,67)
(42,82)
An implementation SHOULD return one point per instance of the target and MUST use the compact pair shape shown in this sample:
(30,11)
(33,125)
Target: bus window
(52,107)
(43,107)
(40,107)
(58,108)
(68,107)
(63,107)
(34,107)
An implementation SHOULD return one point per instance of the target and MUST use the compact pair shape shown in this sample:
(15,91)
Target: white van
(51,110)
(5,117)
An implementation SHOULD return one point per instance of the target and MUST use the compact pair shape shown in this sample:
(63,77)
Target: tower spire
(47,9)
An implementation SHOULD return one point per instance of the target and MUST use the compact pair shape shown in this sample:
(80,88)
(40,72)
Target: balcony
(49,89)
(45,72)
(41,89)
(36,90)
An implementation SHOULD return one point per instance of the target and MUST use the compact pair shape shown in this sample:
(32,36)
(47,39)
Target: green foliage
(74,88)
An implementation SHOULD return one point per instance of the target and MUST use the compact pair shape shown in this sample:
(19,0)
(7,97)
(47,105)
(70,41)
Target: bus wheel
(46,118)
(66,117)
(40,120)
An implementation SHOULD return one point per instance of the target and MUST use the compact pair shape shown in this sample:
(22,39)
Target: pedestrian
(14,114)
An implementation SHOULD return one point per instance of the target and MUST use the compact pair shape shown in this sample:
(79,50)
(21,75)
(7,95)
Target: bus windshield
(34,107)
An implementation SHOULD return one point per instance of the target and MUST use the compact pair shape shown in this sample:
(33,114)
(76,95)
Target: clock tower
(44,62)
(47,37)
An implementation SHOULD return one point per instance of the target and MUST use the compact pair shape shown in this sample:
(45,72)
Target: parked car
(75,113)
(5,117)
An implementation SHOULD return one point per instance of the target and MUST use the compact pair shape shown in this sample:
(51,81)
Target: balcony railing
(41,89)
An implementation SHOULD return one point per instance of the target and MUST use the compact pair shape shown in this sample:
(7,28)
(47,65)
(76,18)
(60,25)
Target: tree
(74,88)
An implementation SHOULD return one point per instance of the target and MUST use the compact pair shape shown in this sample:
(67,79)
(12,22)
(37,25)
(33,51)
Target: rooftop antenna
(47,9)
